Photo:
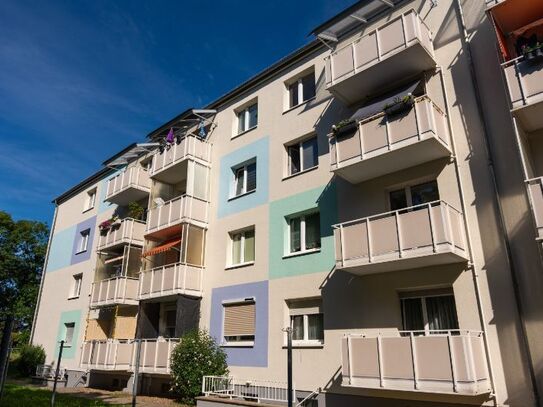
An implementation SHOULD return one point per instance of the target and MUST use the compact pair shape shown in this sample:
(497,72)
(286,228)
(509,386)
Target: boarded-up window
(239,321)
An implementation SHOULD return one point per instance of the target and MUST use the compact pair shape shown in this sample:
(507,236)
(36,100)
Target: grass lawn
(21,396)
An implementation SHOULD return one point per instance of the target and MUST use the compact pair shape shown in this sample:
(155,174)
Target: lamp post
(57,373)
(289,366)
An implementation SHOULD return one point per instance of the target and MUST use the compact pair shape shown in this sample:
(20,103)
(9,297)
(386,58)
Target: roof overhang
(186,120)
(358,14)
(130,153)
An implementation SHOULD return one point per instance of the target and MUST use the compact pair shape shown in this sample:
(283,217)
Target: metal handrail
(429,332)
(179,263)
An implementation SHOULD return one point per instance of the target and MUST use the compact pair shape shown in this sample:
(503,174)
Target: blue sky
(81,80)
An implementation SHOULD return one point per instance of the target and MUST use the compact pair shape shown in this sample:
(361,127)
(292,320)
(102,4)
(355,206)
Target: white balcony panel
(183,209)
(421,236)
(126,231)
(111,354)
(131,185)
(155,355)
(450,362)
(178,278)
(114,291)
(384,144)
(535,190)
(400,48)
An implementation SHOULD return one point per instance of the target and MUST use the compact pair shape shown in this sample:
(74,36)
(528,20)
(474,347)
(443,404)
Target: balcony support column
(414,359)
(452,361)
(432,227)
(369,240)
(380,360)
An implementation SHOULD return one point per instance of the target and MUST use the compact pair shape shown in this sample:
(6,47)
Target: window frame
(68,325)
(306,341)
(408,193)
(243,116)
(83,244)
(300,144)
(242,233)
(75,291)
(303,243)
(235,171)
(298,82)
(244,340)
(90,199)
(422,298)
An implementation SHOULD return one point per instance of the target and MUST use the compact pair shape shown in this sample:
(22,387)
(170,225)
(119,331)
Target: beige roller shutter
(239,319)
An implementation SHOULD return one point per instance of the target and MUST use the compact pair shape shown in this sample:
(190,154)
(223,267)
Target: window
(245,179)
(239,323)
(306,321)
(247,118)
(69,333)
(243,247)
(90,200)
(76,286)
(301,90)
(168,317)
(304,232)
(429,310)
(302,156)
(83,240)
(414,195)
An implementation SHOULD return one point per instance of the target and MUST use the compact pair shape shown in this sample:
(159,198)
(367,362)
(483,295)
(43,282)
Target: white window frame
(162,320)
(424,309)
(243,115)
(302,235)
(66,326)
(235,182)
(301,152)
(242,262)
(76,285)
(407,189)
(306,341)
(300,85)
(90,199)
(83,244)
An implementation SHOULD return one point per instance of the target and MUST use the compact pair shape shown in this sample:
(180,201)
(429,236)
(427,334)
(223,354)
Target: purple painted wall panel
(83,256)
(256,355)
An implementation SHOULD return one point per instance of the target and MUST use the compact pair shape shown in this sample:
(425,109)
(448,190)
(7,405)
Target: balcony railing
(421,361)
(402,47)
(115,290)
(183,209)
(525,85)
(253,390)
(535,189)
(492,3)
(177,278)
(110,354)
(127,231)
(419,236)
(155,355)
(384,144)
(189,146)
(130,185)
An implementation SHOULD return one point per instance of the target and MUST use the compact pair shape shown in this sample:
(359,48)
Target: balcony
(400,48)
(133,184)
(183,209)
(525,85)
(114,291)
(384,144)
(111,354)
(425,235)
(535,190)
(430,362)
(155,355)
(165,163)
(177,278)
(127,231)
(492,3)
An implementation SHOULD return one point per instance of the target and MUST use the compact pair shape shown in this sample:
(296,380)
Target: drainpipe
(43,275)
(475,275)
(497,202)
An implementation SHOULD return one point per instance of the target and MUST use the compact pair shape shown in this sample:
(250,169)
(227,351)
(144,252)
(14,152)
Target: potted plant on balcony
(399,105)
(108,223)
(343,127)
(532,53)
(135,211)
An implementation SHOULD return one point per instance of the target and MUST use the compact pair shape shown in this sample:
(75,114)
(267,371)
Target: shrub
(196,356)
(30,357)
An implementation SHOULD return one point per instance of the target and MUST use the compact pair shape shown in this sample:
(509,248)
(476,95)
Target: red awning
(164,247)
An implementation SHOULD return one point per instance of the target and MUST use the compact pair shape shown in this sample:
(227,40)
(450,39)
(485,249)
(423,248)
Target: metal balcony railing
(109,354)
(188,146)
(177,278)
(132,184)
(535,190)
(114,290)
(127,230)
(182,209)
(257,390)
(155,355)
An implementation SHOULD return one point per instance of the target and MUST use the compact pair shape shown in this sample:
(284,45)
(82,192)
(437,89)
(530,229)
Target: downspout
(43,275)
(501,222)
(475,275)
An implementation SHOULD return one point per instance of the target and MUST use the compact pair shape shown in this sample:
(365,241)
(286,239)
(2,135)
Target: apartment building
(365,191)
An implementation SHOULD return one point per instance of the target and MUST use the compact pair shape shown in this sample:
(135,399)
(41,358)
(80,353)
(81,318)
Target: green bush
(196,356)
(30,357)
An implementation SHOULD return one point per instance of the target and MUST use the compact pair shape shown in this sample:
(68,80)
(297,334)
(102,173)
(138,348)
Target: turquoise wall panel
(69,351)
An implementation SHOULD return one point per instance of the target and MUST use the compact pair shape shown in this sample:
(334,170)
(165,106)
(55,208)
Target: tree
(196,356)
(23,245)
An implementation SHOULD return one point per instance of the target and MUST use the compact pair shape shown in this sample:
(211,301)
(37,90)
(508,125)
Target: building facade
(364,191)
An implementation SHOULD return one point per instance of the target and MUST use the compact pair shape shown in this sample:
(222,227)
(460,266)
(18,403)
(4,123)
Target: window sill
(305,345)
(240,265)
(300,173)
(75,297)
(303,253)
(88,209)
(81,251)
(238,345)
(305,102)
(232,198)
(243,132)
